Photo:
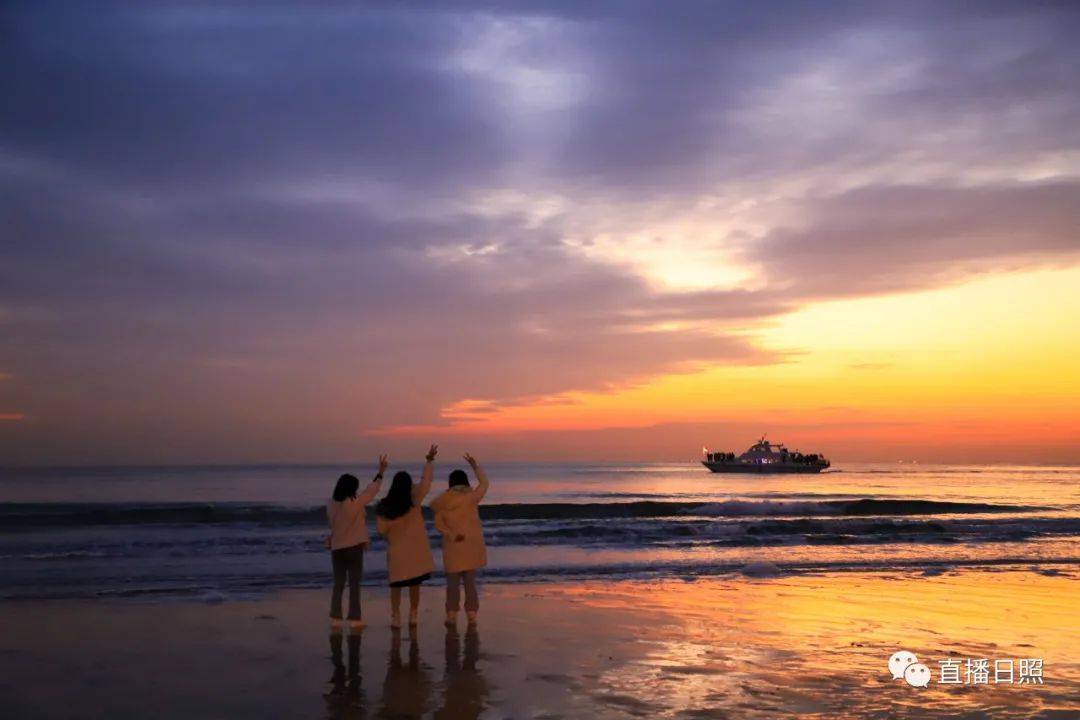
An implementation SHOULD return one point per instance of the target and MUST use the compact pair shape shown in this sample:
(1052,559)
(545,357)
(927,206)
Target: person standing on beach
(347,514)
(408,552)
(457,517)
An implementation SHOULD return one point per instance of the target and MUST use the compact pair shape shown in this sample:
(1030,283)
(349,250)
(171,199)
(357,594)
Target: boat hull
(763,469)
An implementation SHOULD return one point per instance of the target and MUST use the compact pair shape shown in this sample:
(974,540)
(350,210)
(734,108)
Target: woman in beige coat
(347,514)
(408,552)
(457,517)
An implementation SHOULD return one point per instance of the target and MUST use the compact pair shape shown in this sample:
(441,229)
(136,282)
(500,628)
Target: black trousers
(348,563)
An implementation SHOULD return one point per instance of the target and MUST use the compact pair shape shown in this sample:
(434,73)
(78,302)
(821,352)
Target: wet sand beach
(813,646)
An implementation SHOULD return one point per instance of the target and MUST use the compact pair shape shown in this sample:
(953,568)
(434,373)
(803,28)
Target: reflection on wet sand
(407,687)
(345,699)
(801,645)
(464,688)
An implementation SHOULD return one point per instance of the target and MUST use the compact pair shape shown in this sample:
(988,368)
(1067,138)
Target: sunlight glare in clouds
(673,257)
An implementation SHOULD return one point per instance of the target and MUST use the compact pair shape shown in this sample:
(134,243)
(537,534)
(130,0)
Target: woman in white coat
(408,552)
(457,517)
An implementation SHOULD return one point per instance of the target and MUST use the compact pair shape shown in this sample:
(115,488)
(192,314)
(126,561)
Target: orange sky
(986,369)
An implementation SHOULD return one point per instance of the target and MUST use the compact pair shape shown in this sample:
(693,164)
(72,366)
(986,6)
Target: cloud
(240,229)
(879,239)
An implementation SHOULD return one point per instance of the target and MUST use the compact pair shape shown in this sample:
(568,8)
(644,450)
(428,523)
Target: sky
(271,232)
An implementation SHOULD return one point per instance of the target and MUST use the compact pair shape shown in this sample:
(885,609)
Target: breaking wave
(14,516)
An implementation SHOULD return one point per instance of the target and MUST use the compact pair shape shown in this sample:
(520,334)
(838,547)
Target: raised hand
(432,452)
(384,462)
(471,460)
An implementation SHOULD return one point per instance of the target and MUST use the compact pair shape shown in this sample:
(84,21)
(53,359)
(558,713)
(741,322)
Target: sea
(217,533)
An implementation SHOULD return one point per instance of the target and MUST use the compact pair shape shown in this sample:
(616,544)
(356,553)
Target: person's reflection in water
(465,690)
(407,687)
(346,696)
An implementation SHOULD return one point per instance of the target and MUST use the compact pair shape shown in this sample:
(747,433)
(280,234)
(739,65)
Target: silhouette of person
(345,699)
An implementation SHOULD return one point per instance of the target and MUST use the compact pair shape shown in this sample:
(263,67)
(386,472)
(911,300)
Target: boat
(766,458)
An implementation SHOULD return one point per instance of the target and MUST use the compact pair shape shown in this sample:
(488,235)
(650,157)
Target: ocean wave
(780,531)
(240,587)
(43,515)
(15,516)
(743,508)
(861,506)
(193,543)
(58,555)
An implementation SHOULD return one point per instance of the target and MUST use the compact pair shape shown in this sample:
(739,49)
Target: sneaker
(472,617)
(395,620)
(335,623)
(356,625)
(451,618)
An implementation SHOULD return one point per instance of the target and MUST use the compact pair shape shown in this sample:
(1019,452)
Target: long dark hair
(399,500)
(346,487)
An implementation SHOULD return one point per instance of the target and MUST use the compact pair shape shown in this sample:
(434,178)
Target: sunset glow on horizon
(911,365)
